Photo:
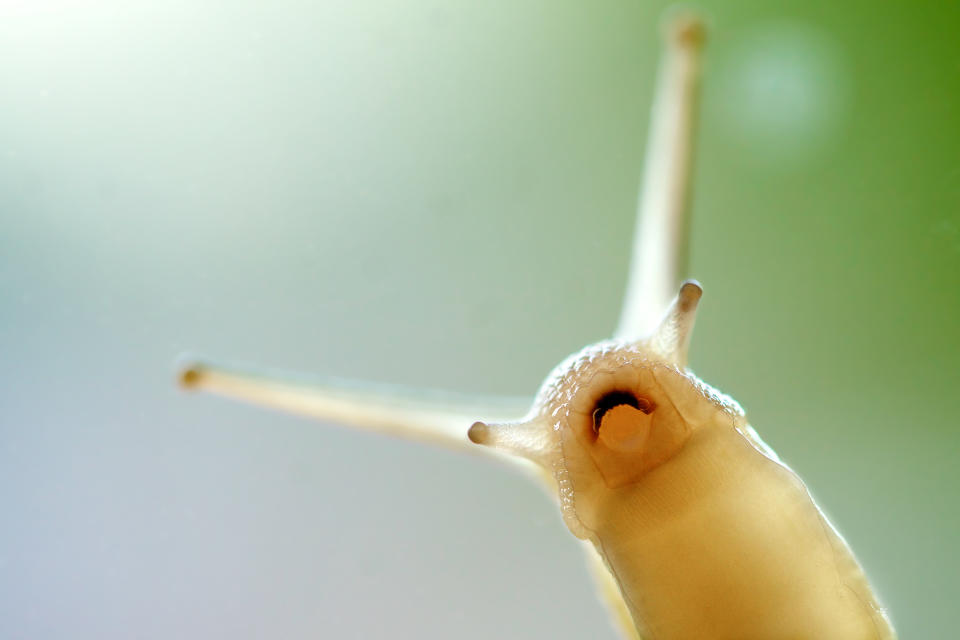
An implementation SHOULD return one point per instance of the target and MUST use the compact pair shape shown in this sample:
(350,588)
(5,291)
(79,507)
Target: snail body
(707,533)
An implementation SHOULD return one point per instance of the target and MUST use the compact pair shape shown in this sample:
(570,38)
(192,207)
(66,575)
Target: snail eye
(615,399)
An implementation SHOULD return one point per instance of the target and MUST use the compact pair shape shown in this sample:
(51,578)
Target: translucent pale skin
(706,532)
(692,525)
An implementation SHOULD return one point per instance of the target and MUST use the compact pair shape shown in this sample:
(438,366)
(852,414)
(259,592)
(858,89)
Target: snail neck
(723,542)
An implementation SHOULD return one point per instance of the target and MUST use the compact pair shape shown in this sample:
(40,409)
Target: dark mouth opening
(615,399)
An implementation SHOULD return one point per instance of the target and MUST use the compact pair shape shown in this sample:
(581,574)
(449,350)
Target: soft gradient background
(441,194)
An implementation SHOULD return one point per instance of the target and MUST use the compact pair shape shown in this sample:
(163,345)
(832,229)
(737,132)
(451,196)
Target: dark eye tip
(615,399)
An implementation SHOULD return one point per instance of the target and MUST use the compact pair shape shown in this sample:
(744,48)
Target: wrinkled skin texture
(706,532)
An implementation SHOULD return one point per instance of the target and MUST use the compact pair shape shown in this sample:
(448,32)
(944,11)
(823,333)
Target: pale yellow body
(723,542)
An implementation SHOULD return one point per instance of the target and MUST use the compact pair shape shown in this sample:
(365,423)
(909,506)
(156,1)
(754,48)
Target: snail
(694,526)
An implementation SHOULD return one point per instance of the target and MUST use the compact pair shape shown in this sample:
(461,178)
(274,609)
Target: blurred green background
(442,195)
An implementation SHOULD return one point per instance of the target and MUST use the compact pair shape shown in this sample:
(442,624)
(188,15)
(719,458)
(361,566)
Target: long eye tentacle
(436,418)
(661,237)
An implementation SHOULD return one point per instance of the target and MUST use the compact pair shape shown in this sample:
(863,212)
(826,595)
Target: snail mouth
(615,399)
